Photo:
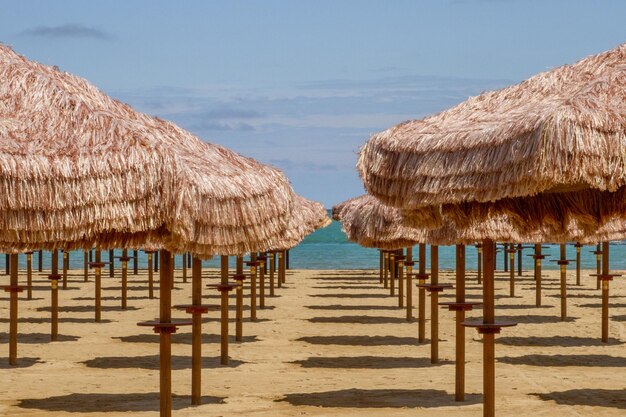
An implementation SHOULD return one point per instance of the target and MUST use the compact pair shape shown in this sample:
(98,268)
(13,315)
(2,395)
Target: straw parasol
(494,146)
(92,171)
(548,152)
(80,170)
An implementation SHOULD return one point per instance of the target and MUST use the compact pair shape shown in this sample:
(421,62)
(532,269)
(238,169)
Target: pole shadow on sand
(98,402)
(391,398)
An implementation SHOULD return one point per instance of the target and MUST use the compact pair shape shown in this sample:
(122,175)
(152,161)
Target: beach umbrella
(548,152)
(81,170)
(369,222)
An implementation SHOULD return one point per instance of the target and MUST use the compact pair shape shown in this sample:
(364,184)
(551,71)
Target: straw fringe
(307,216)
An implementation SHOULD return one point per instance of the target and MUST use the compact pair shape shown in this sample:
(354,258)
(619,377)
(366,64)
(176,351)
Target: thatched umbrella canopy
(370,223)
(306,217)
(548,153)
(560,132)
(79,169)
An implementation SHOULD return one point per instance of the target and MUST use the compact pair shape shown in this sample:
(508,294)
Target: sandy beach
(331,343)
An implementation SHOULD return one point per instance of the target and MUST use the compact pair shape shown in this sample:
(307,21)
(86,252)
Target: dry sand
(331,343)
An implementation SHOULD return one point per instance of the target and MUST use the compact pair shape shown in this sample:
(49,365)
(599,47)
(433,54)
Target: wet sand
(331,343)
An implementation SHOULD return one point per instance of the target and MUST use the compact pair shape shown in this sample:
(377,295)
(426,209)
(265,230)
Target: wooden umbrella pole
(262,259)
(239,277)
(538,257)
(392,273)
(519,259)
(512,251)
(13,289)
(196,332)
(479,256)
(381,265)
(111,263)
(66,259)
(563,267)
(281,263)
(434,305)
(150,276)
(54,298)
(29,275)
(578,246)
(135,262)
(385,269)
(253,268)
(459,386)
(421,315)
(184,268)
(495,256)
(284,266)
(124,260)
(156,262)
(488,327)
(98,285)
(165,334)
(400,261)
(224,288)
(489,373)
(86,266)
(409,283)
(40,261)
(272,273)
(505,249)
(7,264)
(605,291)
(598,265)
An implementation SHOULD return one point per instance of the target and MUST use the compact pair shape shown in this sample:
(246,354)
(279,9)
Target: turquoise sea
(328,248)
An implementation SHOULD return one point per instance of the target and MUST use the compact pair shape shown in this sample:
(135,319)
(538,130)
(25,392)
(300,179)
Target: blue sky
(303,84)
